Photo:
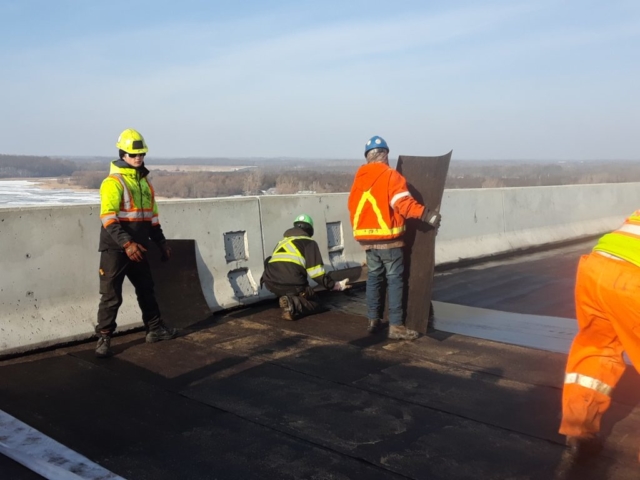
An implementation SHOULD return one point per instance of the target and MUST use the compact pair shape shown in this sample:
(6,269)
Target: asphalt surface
(248,395)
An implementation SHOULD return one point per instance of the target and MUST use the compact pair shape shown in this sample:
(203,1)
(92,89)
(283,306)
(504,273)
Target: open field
(196,168)
(56,183)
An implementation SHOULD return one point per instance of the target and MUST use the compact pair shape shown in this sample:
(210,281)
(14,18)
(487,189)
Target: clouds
(272,82)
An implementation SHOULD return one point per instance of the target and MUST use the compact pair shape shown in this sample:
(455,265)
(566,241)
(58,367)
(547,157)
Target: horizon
(392,158)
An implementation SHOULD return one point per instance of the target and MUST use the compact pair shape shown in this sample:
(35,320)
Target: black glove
(431,217)
(165,252)
(327,282)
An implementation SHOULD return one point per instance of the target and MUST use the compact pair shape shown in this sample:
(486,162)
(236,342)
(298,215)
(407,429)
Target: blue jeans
(381,263)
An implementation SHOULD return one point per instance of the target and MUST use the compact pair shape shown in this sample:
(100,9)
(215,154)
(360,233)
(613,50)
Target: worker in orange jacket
(379,203)
(608,313)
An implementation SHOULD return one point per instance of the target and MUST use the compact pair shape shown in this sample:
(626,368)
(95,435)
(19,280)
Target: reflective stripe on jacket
(286,251)
(623,242)
(128,209)
(380,202)
(588,382)
(125,197)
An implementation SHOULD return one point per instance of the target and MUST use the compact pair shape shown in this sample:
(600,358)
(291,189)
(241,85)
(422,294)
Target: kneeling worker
(295,257)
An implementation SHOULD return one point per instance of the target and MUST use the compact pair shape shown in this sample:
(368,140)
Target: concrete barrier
(483,222)
(49,285)
(49,282)
(229,253)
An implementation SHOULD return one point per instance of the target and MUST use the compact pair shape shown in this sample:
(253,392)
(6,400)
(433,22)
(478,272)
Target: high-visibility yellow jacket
(624,242)
(128,209)
(295,258)
(379,202)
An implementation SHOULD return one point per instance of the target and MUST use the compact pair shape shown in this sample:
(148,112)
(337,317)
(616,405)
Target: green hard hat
(303,217)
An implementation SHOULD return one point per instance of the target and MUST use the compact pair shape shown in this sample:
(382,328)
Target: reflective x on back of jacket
(286,251)
(383,231)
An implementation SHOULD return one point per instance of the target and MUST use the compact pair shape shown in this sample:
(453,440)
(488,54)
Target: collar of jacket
(123,168)
(374,167)
(296,232)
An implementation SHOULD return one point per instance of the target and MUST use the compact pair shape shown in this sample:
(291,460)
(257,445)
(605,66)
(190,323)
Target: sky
(531,79)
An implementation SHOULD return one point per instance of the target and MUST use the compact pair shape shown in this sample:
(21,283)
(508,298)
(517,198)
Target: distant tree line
(29,166)
(222,184)
(496,174)
(288,177)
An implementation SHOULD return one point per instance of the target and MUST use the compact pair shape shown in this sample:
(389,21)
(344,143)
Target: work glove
(327,282)
(165,252)
(341,285)
(134,251)
(431,217)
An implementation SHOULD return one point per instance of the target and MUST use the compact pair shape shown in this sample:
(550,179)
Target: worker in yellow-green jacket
(129,216)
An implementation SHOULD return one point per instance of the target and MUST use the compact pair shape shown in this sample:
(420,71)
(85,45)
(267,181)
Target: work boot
(400,332)
(161,332)
(583,447)
(103,348)
(288,312)
(373,326)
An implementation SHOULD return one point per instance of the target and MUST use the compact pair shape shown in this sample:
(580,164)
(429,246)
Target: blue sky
(489,79)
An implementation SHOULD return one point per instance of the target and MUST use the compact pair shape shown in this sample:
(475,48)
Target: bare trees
(253,181)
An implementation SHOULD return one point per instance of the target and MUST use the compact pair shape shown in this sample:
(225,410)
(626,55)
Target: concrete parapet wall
(49,282)
(483,222)
(229,253)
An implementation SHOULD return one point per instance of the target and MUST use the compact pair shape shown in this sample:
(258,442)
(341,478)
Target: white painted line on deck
(45,456)
(553,334)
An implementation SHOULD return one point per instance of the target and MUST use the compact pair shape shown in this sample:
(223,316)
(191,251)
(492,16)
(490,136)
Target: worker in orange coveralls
(608,312)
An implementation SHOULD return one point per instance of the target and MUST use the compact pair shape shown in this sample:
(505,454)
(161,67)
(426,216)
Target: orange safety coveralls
(607,299)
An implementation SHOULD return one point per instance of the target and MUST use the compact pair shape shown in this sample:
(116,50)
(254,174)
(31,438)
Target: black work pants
(114,266)
(304,299)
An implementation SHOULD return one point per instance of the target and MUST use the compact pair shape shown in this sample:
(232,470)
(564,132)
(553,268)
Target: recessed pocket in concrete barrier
(242,283)
(336,245)
(236,246)
(334,234)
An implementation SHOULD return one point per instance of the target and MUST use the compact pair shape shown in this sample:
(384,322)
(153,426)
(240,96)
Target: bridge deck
(247,395)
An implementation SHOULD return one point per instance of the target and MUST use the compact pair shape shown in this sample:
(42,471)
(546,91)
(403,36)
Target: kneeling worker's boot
(103,348)
(288,310)
(400,332)
(160,332)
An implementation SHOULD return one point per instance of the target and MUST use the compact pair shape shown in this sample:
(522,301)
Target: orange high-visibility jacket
(379,202)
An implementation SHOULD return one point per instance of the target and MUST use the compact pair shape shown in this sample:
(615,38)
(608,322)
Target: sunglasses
(134,155)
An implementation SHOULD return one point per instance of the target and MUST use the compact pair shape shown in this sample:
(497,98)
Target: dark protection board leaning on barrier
(177,284)
(426,177)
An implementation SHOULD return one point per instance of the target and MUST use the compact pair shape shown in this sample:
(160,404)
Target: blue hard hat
(375,142)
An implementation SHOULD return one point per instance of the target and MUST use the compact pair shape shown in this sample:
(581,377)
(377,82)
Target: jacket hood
(369,173)
(123,168)
(295,232)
